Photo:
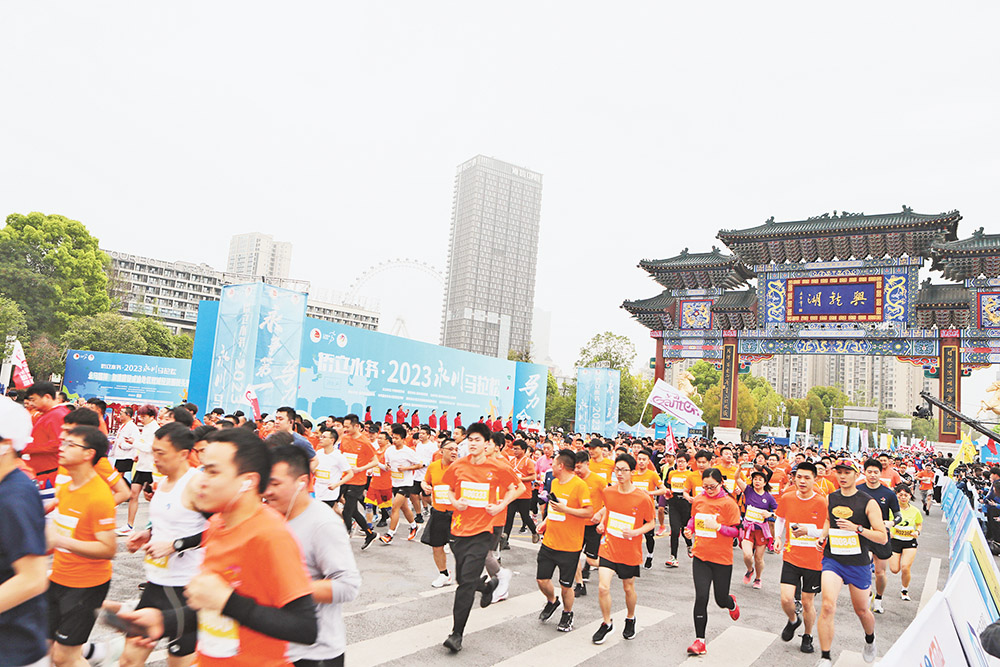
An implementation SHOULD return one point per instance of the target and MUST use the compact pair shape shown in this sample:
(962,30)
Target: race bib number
(352,459)
(65,525)
(730,484)
(617,522)
(697,491)
(677,485)
(441,494)
(775,487)
(555,515)
(904,532)
(160,563)
(477,494)
(322,475)
(844,542)
(755,514)
(397,476)
(218,635)
(805,540)
(699,525)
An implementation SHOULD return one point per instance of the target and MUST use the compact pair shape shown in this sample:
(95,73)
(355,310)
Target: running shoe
(524,529)
(503,586)
(420,518)
(548,610)
(453,643)
(660,531)
(877,606)
(443,580)
(565,622)
(413,534)
(580,590)
(690,551)
(115,646)
(790,628)
(369,538)
(382,523)
(697,648)
(756,583)
(649,563)
(585,571)
(486,587)
(535,538)
(671,562)
(868,652)
(734,613)
(904,595)
(807,644)
(747,578)
(629,631)
(386,538)
(123,531)
(602,633)
(824,662)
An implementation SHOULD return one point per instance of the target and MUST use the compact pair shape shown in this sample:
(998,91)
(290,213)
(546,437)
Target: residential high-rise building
(490,289)
(256,254)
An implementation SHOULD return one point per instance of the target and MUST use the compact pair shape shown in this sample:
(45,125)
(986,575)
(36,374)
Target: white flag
(670,400)
(22,376)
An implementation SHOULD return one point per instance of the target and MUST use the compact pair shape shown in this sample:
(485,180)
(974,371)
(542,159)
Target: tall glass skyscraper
(490,292)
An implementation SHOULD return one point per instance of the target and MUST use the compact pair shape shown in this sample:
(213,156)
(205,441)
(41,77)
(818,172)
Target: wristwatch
(179,544)
(860,529)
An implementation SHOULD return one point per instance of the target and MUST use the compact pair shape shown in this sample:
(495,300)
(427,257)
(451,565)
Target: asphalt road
(398,619)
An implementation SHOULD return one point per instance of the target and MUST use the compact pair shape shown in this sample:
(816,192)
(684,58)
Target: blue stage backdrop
(126,378)
(597,392)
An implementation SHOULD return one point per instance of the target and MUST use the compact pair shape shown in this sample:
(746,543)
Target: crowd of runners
(247,551)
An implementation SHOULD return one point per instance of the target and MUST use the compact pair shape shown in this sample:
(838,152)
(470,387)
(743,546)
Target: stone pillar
(659,370)
(950,379)
(730,377)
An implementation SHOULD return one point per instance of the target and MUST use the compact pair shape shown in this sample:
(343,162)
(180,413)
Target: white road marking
(735,647)
(930,582)
(572,649)
(524,543)
(401,643)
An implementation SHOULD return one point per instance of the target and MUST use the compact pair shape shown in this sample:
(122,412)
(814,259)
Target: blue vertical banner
(530,385)
(793,427)
(839,437)
(854,441)
(257,344)
(597,392)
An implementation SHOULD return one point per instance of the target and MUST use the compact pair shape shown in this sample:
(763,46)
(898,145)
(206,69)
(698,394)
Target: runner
(327,552)
(903,533)
(42,453)
(125,440)
(402,461)
(83,538)
(599,462)
(627,514)
(714,523)
(23,562)
(679,506)
(378,495)
(569,511)
(591,538)
(694,488)
(755,533)
(524,466)
(437,533)
(472,481)
(925,478)
(332,469)
(360,454)
(142,478)
(645,479)
(800,515)
(172,516)
(888,504)
(253,594)
(425,448)
(851,516)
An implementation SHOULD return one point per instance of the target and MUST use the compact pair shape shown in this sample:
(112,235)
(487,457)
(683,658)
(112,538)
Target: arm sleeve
(779,526)
(295,622)
(729,531)
(336,561)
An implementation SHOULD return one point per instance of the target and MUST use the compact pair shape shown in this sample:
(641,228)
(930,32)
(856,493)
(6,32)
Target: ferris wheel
(403,266)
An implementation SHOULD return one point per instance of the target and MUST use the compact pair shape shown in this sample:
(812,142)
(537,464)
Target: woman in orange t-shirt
(715,520)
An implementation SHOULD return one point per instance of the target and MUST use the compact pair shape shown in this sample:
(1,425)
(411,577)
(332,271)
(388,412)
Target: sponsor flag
(22,376)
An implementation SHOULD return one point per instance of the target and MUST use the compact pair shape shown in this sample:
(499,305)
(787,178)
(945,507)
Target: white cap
(15,423)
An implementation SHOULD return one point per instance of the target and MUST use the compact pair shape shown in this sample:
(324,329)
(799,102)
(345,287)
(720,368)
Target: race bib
(697,491)
(617,522)
(904,532)
(322,475)
(65,525)
(555,515)
(775,487)
(699,525)
(397,476)
(352,459)
(755,514)
(218,635)
(677,485)
(157,562)
(477,494)
(441,494)
(730,484)
(844,542)
(805,540)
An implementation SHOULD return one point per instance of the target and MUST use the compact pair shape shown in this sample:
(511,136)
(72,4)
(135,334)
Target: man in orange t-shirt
(360,454)
(591,538)
(628,513)
(437,533)
(645,479)
(569,510)
(83,542)
(524,467)
(472,483)
(253,571)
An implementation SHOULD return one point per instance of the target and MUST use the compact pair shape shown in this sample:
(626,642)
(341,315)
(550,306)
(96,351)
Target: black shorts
(73,611)
(418,490)
(897,546)
(402,490)
(566,561)
(142,477)
(810,580)
(124,466)
(156,596)
(591,541)
(623,571)
(880,551)
(437,532)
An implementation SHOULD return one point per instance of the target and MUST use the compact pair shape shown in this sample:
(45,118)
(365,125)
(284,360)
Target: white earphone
(245,486)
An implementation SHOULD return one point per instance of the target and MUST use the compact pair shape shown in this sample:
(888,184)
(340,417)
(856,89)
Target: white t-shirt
(400,458)
(329,469)
(126,450)
(144,447)
(426,451)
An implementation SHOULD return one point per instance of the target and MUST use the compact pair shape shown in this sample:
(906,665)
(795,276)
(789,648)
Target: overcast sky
(338,126)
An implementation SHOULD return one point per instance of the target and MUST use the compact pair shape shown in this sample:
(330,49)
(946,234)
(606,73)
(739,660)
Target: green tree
(811,408)
(520,355)
(45,358)
(60,253)
(107,332)
(706,376)
(183,346)
(617,351)
(746,408)
(831,397)
(12,323)
(632,394)
(768,401)
(560,404)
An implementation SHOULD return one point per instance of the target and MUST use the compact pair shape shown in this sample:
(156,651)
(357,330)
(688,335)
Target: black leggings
(679,511)
(708,574)
(353,494)
(520,506)
(470,559)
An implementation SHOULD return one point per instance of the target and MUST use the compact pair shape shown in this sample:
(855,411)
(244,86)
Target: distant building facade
(256,254)
(492,257)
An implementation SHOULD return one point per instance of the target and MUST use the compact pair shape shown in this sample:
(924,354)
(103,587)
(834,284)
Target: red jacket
(400,417)
(388,418)
(458,421)
(432,421)
(45,437)
(443,423)
(414,421)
